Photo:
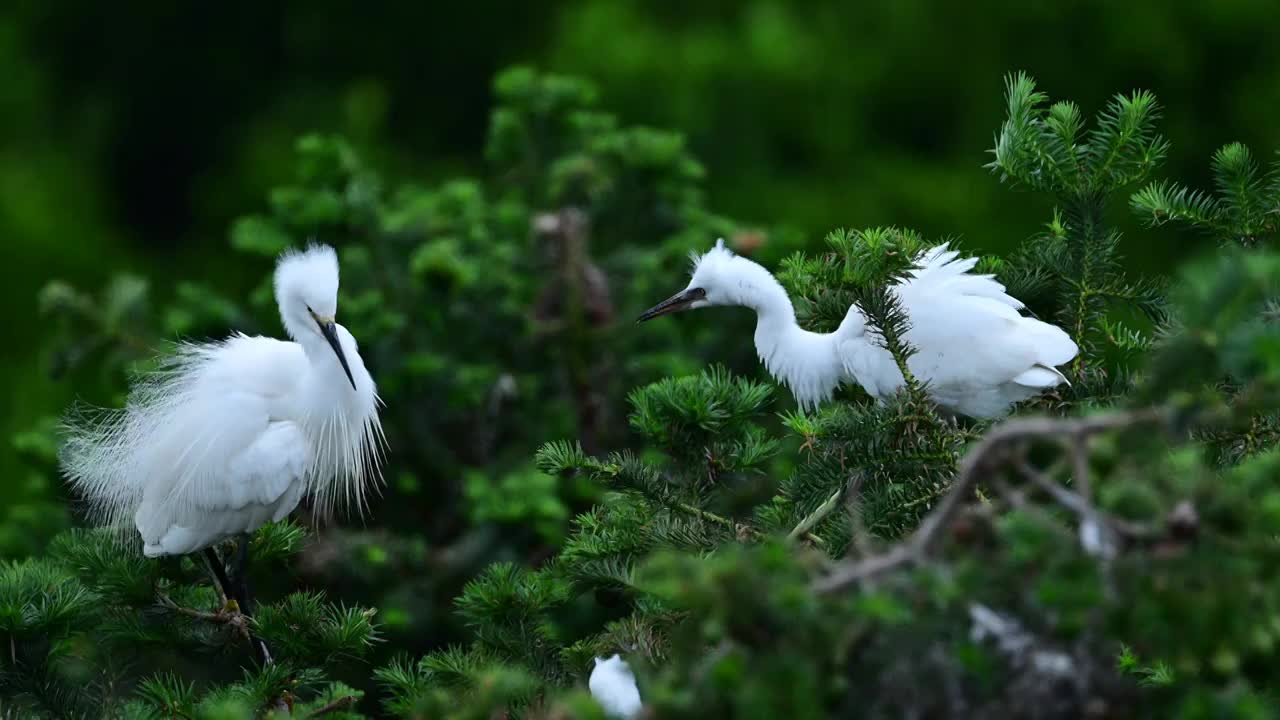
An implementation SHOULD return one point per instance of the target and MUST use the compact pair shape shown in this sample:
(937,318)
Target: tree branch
(729,523)
(987,453)
(1077,504)
(237,620)
(336,705)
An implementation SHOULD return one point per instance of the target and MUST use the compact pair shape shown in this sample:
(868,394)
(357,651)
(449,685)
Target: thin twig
(234,618)
(338,704)
(859,538)
(221,618)
(1077,503)
(815,517)
(731,524)
(1079,452)
(925,539)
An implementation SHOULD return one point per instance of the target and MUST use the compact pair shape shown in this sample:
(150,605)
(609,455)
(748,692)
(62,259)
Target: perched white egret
(977,353)
(230,435)
(613,685)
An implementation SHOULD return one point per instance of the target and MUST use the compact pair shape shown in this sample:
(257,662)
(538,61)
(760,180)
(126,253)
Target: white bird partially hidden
(613,685)
(978,354)
(228,436)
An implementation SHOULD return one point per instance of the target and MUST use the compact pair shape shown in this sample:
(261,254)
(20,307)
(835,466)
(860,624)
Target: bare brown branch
(346,702)
(988,454)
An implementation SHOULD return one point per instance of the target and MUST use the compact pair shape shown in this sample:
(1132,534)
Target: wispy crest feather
(717,253)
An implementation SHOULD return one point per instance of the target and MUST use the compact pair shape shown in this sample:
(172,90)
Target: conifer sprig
(1244,211)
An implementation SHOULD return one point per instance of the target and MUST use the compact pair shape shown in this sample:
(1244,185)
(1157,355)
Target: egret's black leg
(219,572)
(242,574)
(239,591)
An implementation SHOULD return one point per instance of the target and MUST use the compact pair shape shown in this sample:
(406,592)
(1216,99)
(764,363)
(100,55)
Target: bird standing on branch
(228,436)
(976,352)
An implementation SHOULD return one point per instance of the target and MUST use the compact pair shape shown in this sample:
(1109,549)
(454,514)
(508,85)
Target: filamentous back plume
(227,436)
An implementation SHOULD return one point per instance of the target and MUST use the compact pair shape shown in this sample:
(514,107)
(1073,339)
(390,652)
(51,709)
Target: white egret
(977,353)
(228,436)
(613,685)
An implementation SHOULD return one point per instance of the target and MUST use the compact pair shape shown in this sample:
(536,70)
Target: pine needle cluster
(1107,551)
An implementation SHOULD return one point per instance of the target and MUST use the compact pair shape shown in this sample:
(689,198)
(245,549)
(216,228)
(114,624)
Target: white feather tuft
(613,685)
(313,270)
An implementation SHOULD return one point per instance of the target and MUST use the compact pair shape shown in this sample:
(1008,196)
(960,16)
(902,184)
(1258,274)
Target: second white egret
(973,347)
(228,436)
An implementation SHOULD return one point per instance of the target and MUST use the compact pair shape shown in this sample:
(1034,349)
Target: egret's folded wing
(267,469)
(261,483)
(967,329)
(938,272)
(222,447)
(256,463)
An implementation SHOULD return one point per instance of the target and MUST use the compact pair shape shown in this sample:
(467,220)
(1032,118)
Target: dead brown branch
(992,451)
(346,702)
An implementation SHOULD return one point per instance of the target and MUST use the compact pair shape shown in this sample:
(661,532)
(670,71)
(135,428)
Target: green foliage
(905,451)
(304,626)
(1045,148)
(1111,550)
(75,622)
(487,308)
(523,497)
(1245,210)
(1030,552)
(1073,271)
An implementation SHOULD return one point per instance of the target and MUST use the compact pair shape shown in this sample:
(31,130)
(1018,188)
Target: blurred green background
(131,134)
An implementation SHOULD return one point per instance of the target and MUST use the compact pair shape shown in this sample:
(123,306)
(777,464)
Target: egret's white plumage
(227,436)
(613,685)
(976,351)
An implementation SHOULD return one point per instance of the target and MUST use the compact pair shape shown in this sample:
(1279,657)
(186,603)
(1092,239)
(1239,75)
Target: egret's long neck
(342,423)
(806,362)
(327,398)
(326,388)
(324,370)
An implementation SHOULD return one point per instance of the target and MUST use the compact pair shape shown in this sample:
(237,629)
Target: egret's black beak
(330,331)
(674,304)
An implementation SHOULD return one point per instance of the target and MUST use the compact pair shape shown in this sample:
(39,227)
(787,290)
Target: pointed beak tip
(676,303)
(330,331)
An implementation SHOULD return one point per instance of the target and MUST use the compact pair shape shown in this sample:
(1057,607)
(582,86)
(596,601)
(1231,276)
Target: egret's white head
(306,284)
(719,277)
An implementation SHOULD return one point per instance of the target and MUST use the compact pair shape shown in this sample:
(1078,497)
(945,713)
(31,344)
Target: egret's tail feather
(1040,376)
(95,457)
(107,455)
(1054,346)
